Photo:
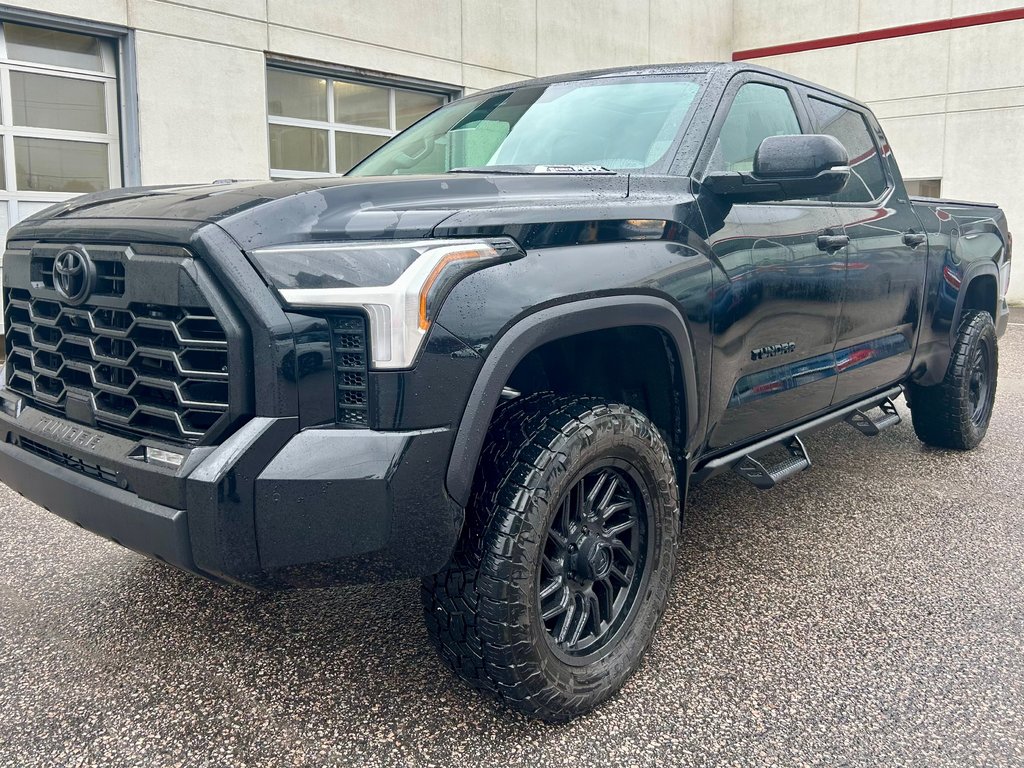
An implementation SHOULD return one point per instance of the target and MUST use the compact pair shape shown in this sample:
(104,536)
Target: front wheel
(564,567)
(956,412)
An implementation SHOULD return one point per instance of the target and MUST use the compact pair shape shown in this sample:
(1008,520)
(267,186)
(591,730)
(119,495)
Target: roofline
(683,68)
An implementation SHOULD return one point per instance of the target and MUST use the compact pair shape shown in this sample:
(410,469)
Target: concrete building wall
(951,102)
(201,63)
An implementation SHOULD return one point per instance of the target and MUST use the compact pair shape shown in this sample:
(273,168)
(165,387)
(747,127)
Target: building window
(322,125)
(924,187)
(58,120)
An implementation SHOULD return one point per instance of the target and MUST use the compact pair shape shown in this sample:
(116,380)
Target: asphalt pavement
(868,612)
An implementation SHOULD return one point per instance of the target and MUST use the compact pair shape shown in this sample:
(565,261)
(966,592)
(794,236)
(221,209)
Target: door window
(867,174)
(757,112)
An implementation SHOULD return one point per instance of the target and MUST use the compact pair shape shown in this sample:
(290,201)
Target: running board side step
(737,457)
(762,477)
(866,425)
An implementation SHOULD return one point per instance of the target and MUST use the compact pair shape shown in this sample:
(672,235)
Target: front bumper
(270,508)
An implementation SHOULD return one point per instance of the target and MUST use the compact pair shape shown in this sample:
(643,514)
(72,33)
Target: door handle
(914,239)
(832,243)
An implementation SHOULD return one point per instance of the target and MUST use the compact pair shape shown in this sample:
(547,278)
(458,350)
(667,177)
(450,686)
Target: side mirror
(786,168)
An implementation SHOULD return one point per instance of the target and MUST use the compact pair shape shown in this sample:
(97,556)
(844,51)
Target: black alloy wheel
(978,385)
(593,562)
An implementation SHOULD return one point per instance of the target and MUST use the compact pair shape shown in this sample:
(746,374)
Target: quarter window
(322,125)
(867,178)
(757,112)
(58,120)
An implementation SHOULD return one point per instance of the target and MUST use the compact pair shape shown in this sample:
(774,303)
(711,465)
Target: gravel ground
(870,611)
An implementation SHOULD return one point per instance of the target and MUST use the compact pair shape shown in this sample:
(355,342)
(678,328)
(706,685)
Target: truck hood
(258,214)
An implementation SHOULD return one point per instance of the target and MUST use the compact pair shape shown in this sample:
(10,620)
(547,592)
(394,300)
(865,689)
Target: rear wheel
(956,412)
(567,556)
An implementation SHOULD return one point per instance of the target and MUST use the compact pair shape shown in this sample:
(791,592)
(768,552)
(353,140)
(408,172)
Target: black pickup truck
(497,353)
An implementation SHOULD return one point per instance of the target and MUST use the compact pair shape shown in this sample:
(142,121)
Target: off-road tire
(944,415)
(482,610)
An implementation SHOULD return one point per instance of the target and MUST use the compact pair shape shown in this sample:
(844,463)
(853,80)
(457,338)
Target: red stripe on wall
(905,30)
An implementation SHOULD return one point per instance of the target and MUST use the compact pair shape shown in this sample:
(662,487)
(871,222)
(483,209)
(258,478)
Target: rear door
(886,258)
(777,295)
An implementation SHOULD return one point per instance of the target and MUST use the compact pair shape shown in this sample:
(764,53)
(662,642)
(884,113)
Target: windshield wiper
(538,169)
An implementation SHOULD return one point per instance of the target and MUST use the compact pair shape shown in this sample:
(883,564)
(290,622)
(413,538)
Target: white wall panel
(586,34)
(917,142)
(216,127)
(760,23)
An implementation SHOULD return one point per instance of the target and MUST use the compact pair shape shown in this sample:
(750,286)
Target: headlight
(399,284)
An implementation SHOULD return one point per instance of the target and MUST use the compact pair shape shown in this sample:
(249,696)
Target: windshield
(619,124)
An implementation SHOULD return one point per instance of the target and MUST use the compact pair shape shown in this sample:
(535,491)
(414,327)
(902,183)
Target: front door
(887,256)
(777,295)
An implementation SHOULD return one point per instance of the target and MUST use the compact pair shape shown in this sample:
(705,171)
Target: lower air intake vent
(73,463)
(351,374)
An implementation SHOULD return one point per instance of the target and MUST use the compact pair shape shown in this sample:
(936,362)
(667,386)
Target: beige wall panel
(250,9)
(168,18)
(574,35)
(988,56)
(879,14)
(334,50)
(481,78)
(501,36)
(971,7)
(696,30)
(432,27)
(760,23)
(920,105)
(982,163)
(107,11)
(1001,98)
(214,128)
(835,68)
(917,143)
(903,67)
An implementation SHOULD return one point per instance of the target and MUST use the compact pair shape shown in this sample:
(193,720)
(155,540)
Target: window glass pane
(298,149)
(3,174)
(350,148)
(924,187)
(52,165)
(867,178)
(410,106)
(290,94)
(48,46)
(618,123)
(358,104)
(757,112)
(44,101)
(26,209)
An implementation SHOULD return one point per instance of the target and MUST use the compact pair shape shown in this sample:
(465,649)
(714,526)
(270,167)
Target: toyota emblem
(74,275)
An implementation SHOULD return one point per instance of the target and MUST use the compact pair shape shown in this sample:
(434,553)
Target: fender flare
(549,324)
(977,269)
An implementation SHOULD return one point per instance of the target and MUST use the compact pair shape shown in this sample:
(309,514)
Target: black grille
(109,274)
(148,369)
(351,374)
(73,463)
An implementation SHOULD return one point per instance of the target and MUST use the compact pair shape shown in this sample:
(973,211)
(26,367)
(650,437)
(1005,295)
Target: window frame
(120,105)
(732,87)
(869,125)
(341,74)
